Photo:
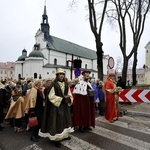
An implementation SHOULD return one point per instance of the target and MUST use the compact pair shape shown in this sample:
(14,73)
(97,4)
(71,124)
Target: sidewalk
(137,108)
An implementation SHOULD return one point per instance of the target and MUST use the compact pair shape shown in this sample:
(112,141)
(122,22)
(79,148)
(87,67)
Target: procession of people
(54,108)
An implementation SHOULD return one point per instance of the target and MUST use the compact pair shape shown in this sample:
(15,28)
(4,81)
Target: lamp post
(75,64)
(71,66)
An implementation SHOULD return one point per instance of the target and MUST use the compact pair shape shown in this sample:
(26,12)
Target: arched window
(85,66)
(92,75)
(35,75)
(19,76)
(67,63)
(55,61)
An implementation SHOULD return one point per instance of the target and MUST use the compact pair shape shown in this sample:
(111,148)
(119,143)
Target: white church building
(147,64)
(50,52)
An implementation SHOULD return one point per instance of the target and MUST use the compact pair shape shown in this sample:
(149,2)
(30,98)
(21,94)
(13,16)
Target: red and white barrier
(134,95)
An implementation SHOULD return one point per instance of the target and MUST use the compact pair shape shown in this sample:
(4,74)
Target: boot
(81,129)
(57,144)
(15,129)
(34,139)
(19,129)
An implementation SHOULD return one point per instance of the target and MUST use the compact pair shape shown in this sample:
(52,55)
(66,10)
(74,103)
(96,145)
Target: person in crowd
(2,104)
(7,93)
(34,105)
(25,86)
(57,123)
(100,97)
(83,105)
(111,112)
(121,83)
(47,83)
(93,84)
(16,109)
(72,86)
(27,102)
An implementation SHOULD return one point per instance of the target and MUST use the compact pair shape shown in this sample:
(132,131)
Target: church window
(85,66)
(55,61)
(93,75)
(35,75)
(67,63)
(19,76)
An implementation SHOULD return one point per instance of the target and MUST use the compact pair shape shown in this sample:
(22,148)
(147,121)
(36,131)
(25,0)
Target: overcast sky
(20,20)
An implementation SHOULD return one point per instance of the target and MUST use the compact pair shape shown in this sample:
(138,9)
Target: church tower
(45,24)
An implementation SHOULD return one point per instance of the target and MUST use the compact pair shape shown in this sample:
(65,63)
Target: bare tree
(97,31)
(97,10)
(132,12)
(118,67)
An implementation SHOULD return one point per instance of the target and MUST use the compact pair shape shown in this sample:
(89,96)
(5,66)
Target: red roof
(7,65)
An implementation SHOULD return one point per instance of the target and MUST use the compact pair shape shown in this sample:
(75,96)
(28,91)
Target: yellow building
(7,70)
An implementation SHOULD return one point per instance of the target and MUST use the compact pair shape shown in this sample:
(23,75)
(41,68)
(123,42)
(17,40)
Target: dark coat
(2,104)
(56,119)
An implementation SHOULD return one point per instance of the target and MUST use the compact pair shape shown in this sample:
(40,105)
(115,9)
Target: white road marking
(140,128)
(123,139)
(32,147)
(79,144)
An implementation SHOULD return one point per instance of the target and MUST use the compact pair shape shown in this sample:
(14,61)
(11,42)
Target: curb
(138,113)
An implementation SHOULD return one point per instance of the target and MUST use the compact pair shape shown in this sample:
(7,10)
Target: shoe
(39,137)
(1,128)
(116,119)
(81,129)
(112,121)
(68,138)
(34,139)
(15,129)
(20,129)
(87,128)
(57,144)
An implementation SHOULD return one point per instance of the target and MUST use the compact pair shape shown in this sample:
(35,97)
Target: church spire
(45,24)
(45,9)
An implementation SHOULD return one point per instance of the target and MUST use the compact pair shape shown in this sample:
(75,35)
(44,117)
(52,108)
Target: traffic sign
(111,62)
(134,95)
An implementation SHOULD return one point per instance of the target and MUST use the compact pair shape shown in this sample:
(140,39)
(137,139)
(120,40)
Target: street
(130,132)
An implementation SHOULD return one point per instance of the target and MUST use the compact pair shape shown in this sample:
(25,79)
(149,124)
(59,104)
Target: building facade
(50,52)
(7,70)
(147,63)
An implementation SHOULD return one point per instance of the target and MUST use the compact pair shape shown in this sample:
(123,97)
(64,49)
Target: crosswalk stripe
(79,144)
(32,147)
(145,129)
(123,139)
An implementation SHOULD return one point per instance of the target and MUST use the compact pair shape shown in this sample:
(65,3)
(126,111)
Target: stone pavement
(136,108)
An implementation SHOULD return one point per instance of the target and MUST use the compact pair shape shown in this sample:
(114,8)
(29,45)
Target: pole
(71,67)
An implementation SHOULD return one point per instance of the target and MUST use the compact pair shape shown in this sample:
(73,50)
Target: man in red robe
(83,104)
(112,112)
